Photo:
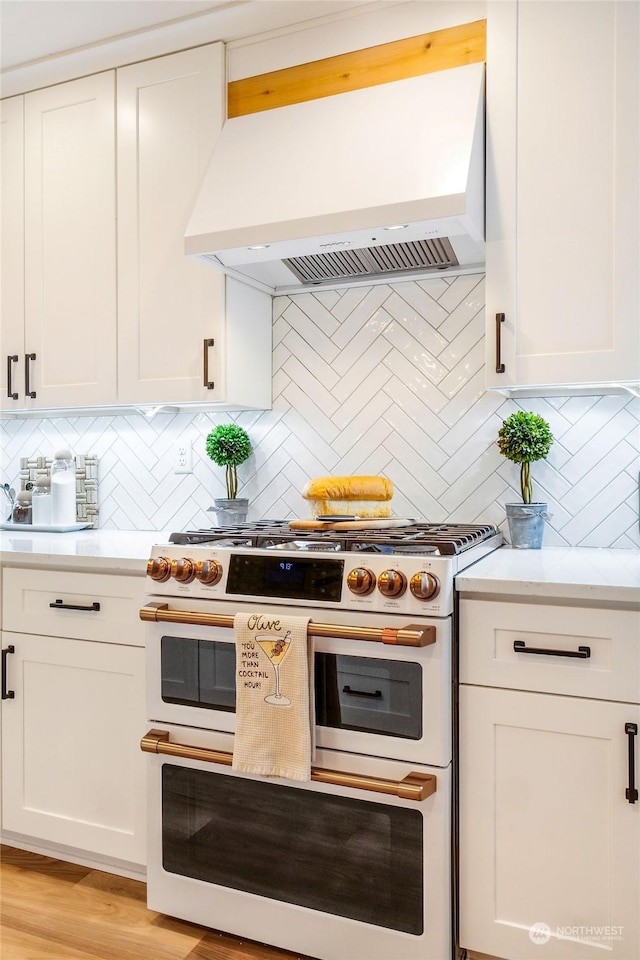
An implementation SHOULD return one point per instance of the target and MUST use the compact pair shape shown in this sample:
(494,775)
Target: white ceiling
(31,30)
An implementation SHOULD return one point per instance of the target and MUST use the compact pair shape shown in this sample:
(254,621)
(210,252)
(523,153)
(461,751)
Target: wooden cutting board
(351,524)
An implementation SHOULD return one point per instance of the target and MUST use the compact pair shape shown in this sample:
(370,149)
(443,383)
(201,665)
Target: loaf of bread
(366,497)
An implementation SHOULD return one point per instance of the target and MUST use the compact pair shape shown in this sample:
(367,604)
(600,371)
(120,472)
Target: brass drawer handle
(410,636)
(415,786)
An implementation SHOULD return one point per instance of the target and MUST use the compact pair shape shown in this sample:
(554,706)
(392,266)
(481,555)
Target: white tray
(43,528)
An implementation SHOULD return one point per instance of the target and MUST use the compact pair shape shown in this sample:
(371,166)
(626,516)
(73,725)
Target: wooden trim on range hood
(452,47)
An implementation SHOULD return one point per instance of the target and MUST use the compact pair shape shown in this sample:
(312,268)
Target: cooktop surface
(439,539)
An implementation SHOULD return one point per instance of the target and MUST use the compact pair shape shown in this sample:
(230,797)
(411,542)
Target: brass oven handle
(413,635)
(415,786)
(209,384)
(11,359)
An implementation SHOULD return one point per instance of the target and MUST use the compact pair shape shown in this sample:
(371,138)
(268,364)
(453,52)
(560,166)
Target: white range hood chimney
(384,181)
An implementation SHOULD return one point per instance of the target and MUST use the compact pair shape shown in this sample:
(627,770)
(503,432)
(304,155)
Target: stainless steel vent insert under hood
(316,184)
(394,258)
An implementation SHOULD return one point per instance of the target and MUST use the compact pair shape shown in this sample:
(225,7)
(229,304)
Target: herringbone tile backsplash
(383,379)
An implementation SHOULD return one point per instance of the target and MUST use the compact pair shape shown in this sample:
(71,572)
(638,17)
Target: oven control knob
(208,571)
(159,568)
(361,581)
(392,583)
(183,570)
(424,585)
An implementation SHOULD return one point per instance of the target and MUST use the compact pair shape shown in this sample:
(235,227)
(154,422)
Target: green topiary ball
(524,438)
(228,445)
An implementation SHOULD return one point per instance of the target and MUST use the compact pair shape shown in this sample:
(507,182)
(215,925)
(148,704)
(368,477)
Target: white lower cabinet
(550,845)
(549,831)
(72,772)
(73,713)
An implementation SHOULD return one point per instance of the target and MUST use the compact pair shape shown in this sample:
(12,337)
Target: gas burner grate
(444,539)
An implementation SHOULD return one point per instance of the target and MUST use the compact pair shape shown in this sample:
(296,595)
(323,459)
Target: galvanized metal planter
(526,524)
(229,512)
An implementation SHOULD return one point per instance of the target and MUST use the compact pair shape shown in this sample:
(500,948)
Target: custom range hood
(385,181)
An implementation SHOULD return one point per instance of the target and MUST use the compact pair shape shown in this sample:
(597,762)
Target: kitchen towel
(275,714)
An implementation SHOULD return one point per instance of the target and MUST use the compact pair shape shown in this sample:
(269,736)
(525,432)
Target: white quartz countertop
(569,573)
(563,573)
(107,551)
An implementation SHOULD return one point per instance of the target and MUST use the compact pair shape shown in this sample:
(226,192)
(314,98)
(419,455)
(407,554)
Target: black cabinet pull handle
(499,364)
(209,384)
(631,793)
(6,694)
(59,605)
(27,384)
(582,653)
(373,694)
(11,358)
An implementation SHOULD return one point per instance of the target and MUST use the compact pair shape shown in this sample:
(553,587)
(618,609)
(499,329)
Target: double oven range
(357,862)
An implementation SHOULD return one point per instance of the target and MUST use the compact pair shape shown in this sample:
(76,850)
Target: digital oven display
(307,578)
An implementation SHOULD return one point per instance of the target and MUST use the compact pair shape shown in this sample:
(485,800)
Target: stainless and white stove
(357,862)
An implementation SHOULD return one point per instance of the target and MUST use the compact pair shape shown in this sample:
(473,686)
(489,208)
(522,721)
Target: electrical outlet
(183,457)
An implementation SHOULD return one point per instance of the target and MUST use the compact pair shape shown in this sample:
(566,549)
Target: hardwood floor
(51,910)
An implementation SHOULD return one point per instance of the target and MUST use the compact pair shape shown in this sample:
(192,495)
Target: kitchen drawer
(609,671)
(28,596)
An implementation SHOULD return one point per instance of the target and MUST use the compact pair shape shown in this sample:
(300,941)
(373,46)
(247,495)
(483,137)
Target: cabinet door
(12,253)
(70,237)
(563,203)
(170,112)
(547,835)
(73,773)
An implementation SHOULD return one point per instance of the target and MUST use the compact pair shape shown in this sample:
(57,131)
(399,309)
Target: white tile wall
(383,379)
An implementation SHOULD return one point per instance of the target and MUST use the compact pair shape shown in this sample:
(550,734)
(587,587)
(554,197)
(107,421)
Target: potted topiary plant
(228,445)
(524,438)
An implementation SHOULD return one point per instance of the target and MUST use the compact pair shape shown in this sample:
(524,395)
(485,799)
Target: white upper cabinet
(70,243)
(563,204)
(59,246)
(170,308)
(162,329)
(12,252)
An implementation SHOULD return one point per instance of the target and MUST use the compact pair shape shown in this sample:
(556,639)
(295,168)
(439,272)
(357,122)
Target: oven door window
(198,673)
(352,693)
(367,694)
(350,858)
